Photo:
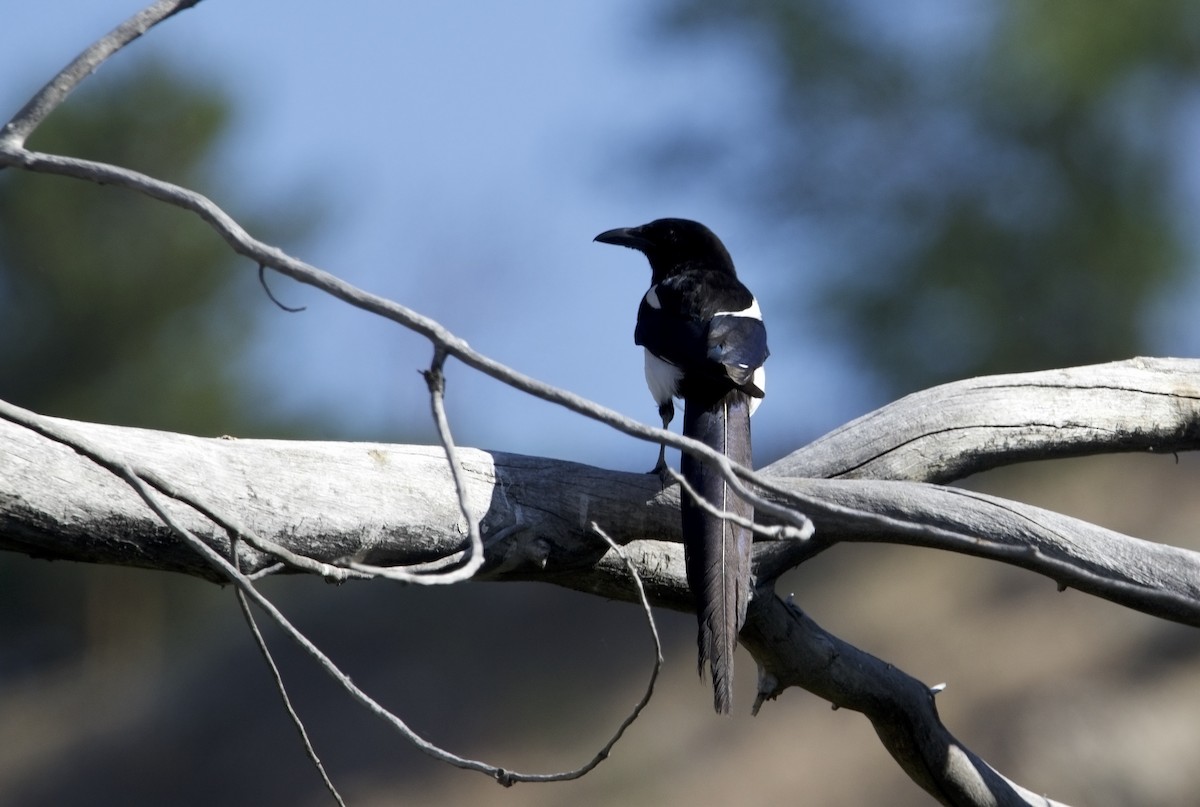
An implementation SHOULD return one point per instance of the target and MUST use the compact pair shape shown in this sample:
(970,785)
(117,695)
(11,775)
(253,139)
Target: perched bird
(705,343)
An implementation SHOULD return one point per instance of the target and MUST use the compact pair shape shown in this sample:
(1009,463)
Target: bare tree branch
(644,601)
(441,338)
(17,131)
(75,440)
(1154,578)
(555,547)
(792,650)
(532,524)
(538,516)
(277,678)
(422,573)
(958,429)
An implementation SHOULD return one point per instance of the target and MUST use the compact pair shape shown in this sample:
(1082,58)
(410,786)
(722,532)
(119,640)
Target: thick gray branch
(396,504)
(376,503)
(952,431)
(389,505)
(1155,578)
(385,504)
(792,650)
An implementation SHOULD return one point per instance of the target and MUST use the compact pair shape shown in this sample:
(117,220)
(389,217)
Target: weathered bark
(386,504)
(396,505)
(955,430)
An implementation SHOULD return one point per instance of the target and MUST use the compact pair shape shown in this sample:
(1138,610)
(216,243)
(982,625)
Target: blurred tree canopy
(993,184)
(120,309)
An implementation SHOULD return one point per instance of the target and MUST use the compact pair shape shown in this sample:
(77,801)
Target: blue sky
(467,153)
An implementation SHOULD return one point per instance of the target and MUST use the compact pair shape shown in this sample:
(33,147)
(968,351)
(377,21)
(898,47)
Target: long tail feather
(717,551)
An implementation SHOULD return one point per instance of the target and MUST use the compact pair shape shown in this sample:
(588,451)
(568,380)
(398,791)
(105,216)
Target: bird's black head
(673,246)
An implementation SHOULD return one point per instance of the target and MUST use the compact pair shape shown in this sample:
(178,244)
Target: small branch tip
(262,280)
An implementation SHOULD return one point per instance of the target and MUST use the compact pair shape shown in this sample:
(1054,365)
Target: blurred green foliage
(993,184)
(119,308)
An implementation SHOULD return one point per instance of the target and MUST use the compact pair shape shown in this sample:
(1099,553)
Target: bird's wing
(670,329)
(707,325)
(739,345)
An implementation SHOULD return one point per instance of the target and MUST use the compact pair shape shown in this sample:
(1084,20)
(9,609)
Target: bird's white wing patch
(751,311)
(759,380)
(651,298)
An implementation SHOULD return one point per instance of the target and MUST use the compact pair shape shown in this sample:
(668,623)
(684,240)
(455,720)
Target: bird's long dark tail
(716,550)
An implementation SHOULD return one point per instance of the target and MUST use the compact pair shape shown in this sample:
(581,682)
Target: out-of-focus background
(918,192)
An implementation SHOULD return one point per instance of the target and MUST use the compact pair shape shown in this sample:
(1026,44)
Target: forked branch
(533,527)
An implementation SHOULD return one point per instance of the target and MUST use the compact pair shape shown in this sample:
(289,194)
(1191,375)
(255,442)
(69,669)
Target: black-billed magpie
(705,342)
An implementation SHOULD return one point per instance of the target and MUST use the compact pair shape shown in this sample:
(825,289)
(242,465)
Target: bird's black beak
(625,237)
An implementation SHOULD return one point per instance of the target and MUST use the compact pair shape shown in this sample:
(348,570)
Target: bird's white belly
(662,378)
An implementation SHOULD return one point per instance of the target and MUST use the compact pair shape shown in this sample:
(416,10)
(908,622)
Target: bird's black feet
(660,468)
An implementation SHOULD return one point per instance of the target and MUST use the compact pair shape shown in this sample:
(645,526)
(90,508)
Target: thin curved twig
(436,380)
(262,281)
(603,753)
(277,678)
(801,531)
